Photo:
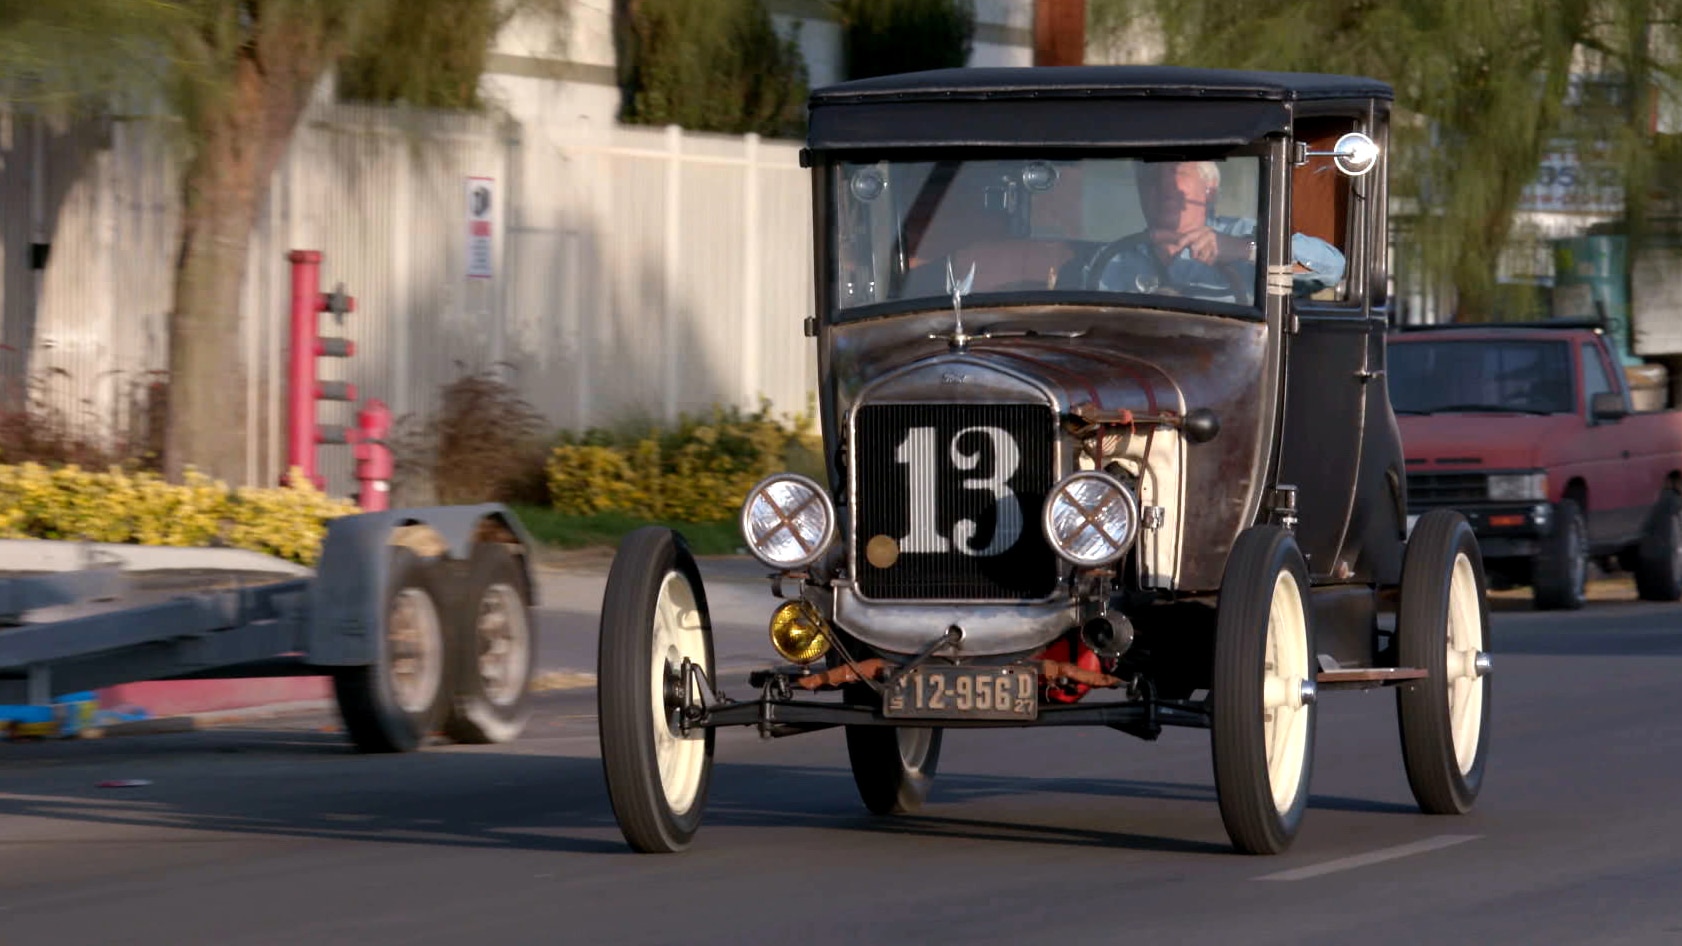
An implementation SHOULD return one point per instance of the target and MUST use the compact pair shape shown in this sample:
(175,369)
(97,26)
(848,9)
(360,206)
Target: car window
(1444,377)
(1595,379)
(1321,209)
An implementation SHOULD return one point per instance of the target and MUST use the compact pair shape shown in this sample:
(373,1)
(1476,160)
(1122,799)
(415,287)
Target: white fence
(635,272)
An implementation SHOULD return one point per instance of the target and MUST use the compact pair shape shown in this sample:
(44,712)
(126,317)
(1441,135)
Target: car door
(1614,513)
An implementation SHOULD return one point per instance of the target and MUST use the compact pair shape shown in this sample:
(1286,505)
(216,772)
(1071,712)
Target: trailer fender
(347,598)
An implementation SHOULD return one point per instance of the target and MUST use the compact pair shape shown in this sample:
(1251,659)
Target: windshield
(1058,229)
(1467,376)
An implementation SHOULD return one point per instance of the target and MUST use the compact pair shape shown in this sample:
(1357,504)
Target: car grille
(910,488)
(1429,490)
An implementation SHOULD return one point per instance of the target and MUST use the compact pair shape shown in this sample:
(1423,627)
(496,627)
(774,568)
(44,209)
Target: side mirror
(1354,154)
(1605,406)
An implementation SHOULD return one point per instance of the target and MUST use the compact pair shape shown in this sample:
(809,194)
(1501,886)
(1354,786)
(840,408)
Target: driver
(1186,247)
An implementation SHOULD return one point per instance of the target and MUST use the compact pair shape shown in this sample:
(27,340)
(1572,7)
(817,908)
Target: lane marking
(1372,857)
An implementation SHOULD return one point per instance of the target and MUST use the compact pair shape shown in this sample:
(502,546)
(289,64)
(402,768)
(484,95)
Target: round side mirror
(1355,154)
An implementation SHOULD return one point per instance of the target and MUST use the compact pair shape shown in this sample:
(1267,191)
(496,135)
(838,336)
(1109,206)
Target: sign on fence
(481,224)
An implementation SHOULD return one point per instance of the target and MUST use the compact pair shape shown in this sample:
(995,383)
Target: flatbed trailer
(421,617)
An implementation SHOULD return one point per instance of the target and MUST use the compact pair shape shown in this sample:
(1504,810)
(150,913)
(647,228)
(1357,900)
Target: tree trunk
(240,137)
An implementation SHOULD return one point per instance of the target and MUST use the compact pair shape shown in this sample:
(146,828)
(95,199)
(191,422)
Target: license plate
(1411,521)
(965,693)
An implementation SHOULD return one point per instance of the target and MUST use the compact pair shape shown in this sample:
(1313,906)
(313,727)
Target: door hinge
(1366,375)
(810,327)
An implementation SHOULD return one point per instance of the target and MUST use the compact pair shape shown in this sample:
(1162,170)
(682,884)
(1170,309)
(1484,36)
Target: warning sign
(481,225)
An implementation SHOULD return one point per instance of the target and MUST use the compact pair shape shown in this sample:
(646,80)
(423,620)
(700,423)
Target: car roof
(1102,82)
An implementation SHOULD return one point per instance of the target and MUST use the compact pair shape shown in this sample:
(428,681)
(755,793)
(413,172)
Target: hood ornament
(959,289)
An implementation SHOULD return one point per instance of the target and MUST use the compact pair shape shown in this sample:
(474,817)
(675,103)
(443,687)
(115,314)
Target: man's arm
(1319,265)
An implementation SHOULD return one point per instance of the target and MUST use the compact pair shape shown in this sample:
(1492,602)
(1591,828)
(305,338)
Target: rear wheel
(894,768)
(394,702)
(1263,710)
(1658,566)
(654,619)
(496,650)
(1443,627)
(1562,563)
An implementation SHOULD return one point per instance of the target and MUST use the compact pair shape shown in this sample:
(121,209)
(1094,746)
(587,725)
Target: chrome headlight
(1091,518)
(1518,487)
(788,520)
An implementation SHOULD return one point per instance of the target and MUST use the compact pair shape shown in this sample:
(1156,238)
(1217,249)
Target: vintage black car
(1099,351)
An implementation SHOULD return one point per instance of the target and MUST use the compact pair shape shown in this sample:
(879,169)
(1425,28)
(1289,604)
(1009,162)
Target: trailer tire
(495,656)
(398,699)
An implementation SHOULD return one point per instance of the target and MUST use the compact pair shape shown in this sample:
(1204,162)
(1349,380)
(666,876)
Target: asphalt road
(279,834)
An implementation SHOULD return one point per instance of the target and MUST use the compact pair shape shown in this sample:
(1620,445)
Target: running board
(1365,678)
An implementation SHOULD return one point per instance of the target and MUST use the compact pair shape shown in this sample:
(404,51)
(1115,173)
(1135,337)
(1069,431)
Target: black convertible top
(1101,82)
(1072,107)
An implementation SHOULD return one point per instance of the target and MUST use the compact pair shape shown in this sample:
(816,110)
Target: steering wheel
(1093,272)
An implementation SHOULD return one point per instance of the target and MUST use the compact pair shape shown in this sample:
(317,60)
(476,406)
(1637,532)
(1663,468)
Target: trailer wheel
(496,650)
(394,702)
(1443,627)
(1658,564)
(1562,564)
(1263,711)
(654,618)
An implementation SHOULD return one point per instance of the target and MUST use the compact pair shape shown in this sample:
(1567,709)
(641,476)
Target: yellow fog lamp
(798,632)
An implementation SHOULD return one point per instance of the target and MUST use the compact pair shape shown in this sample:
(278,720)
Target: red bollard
(374,466)
(303,433)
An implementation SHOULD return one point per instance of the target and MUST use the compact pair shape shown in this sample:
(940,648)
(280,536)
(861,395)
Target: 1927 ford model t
(1097,350)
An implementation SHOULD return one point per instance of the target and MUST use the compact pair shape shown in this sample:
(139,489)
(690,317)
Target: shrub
(698,470)
(144,509)
(484,444)
(885,37)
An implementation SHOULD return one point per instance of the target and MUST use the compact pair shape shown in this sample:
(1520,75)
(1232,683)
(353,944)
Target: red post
(374,466)
(300,388)
(303,433)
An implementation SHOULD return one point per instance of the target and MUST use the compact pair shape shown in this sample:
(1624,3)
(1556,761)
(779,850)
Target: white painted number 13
(917,451)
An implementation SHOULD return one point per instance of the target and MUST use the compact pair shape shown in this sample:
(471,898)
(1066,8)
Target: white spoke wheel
(1658,564)
(654,618)
(893,767)
(1443,628)
(1263,711)
(394,702)
(496,649)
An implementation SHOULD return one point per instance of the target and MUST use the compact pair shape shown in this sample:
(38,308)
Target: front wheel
(654,621)
(1562,563)
(893,767)
(1264,693)
(1442,627)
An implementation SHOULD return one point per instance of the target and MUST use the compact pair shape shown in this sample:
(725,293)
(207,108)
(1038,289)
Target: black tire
(893,767)
(1562,563)
(1260,819)
(495,656)
(654,814)
(398,700)
(1443,596)
(1658,565)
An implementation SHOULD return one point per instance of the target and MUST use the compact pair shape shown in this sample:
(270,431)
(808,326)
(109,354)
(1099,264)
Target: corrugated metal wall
(640,272)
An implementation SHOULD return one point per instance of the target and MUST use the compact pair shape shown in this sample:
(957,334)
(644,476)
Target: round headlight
(1091,518)
(788,520)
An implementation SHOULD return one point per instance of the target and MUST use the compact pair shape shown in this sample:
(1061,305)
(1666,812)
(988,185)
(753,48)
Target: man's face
(1175,197)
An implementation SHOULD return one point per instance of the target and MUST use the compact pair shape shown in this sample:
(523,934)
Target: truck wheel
(893,767)
(654,617)
(1658,567)
(396,701)
(1562,564)
(496,650)
(1443,627)
(1263,698)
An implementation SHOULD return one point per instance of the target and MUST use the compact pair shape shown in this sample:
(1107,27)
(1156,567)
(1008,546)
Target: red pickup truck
(1528,431)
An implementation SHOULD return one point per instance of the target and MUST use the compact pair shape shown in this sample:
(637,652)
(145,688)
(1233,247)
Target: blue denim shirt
(1135,269)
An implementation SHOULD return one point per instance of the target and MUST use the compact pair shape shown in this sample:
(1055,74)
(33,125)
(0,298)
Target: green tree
(709,65)
(1481,92)
(238,73)
(885,37)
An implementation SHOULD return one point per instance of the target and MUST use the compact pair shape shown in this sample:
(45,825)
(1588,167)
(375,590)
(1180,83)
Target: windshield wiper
(1483,408)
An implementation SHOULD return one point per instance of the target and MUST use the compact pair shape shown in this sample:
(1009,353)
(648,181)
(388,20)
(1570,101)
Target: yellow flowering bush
(699,470)
(145,509)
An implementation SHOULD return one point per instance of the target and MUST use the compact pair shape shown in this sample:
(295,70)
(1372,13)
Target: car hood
(1480,441)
